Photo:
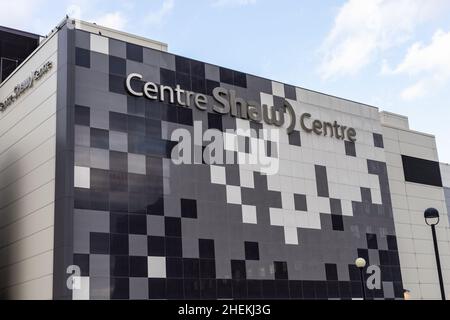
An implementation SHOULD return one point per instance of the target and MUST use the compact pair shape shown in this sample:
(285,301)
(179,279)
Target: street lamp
(360,264)
(431,216)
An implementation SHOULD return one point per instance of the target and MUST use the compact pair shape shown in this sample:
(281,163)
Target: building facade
(127,172)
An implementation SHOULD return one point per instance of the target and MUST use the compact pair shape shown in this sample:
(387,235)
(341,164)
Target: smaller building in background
(15,47)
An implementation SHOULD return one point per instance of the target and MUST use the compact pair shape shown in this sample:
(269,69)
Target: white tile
(218,175)
(278,89)
(249,214)
(234,195)
(290,235)
(81,288)
(246,179)
(136,163)
(82,177)
(156,267)
(99,44)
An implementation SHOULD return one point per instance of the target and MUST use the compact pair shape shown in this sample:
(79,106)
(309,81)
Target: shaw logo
(25,85)
(227,102)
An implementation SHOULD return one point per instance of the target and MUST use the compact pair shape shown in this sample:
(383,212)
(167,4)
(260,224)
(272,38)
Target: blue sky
(394,54)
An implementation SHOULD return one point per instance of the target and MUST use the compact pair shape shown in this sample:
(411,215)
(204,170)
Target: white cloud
(158,16)
(429,63)
(364,29)
(234,3)
(19,13)
(114,20)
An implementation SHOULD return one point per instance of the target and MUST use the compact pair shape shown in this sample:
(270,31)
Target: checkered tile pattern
(145,228)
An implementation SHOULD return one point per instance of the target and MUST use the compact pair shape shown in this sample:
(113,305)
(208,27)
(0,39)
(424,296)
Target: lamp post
(431,216)
(360,264)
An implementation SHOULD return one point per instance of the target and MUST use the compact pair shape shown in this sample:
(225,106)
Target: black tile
(118,161)
(99,179)
(378,140)
(331,271)
(354,273)
(117,66)
(174,267)
(294,138)
(118,223)
(290,92)
(157,288)
(82,261)
(100,200)
(350,149)
(120,288)
(210,86)
(118,122)
(138,267)
(156,208)
(238,269)
(136,125)
(239,289)
(372,242)
(215,121)
(172,227)
(191,268)
(118,201)
(240,79)
(364,253)
(206,249)
(119,244)
(356,289)
(99,243)
(282,289)
(134,52)
(197,69)
(207,269)
(344,290)
(118,181)
(333,289)
(208,289)
(82,57)
(137,144)
(392,242)
(119,266)
(281,271)
(139,185)
(153,109)
(191,289)
(198,85)
(189,208)
(99,138)
(184,80)
(269,289)
(174,247)
(167,78)
(226,76)
(309,290)
(82,116)
(422,171)
(153,128)
(224,289)
(300,202)
(185,116)
(251,250)
(321,290)
(295,289)
(182,65)
(254,289)
(156,246)
(117,84)
(138,224)
(337,222)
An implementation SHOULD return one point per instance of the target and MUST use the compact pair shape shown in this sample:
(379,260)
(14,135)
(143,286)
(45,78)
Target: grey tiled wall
(145,228)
